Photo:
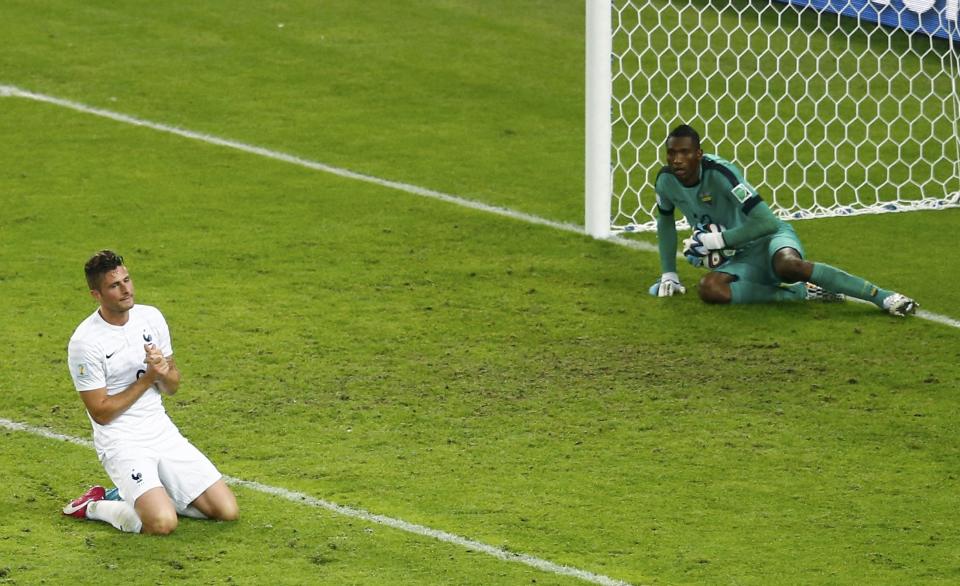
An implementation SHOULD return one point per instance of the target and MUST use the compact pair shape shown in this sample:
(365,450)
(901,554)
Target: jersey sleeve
(86,366)
(760,223)
(664,205)
(744,194)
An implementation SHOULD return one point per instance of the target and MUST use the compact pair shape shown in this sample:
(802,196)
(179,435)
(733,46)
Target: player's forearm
(667,242)
(112,406)
(760,222)
(170,382)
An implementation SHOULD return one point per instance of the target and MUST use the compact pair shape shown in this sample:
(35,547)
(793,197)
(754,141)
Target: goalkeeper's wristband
(712,240)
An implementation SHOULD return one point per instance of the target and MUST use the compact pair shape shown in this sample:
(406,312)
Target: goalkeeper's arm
(667,241)
(669,283)
(760,222)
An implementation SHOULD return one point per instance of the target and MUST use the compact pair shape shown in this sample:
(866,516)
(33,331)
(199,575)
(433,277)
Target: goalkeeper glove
(702,241)
(712,240)
(667,286)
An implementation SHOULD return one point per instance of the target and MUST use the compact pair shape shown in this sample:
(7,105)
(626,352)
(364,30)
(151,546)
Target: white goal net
(827,114)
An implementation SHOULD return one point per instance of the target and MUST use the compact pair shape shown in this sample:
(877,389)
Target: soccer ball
(716,258)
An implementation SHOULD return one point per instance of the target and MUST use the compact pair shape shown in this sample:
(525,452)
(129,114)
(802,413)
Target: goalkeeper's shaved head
(686,131)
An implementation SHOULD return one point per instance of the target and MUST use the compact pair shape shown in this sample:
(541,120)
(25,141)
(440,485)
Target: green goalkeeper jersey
(722,196)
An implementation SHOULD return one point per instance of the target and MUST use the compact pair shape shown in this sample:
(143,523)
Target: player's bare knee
(162,524)
(791,271)
(714,289)
(227,510)
(218,502)
(160,530)
(790,266)
(229,513)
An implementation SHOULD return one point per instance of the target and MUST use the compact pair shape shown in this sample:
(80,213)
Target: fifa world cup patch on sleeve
(743,192)
(81,369)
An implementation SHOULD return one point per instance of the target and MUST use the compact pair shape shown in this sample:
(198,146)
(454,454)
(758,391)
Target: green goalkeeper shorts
(755,262)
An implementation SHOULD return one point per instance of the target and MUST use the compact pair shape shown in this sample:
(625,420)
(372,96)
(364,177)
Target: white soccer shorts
(174,463)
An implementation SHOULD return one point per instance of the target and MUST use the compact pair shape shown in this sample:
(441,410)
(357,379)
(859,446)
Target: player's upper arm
(93,401)
(664,205)
(745,194)
(86,366)
(738,189)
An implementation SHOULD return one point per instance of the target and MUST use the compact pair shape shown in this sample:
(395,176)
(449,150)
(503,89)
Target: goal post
(830,107)
(598,184)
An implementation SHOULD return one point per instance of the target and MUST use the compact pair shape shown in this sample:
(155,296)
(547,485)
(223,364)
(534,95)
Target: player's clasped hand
(155,360)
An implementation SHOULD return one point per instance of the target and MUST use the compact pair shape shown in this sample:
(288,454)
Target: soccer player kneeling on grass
(121,361)
(768,262)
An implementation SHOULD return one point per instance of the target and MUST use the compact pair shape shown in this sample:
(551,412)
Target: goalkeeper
(768,264)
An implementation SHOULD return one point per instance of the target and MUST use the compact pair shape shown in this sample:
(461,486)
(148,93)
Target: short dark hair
(100,264)
(685,130)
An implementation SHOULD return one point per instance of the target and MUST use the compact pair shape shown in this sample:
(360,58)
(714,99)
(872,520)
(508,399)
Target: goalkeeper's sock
(746,292)
(837,281)
(120,514)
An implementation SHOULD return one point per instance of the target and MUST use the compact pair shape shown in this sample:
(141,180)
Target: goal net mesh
(826,114)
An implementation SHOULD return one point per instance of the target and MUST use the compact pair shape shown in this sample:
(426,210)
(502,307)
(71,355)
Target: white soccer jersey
(101,355)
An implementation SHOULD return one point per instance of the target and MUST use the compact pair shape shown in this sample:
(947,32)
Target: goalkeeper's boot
(900,305)
(78,506)
(818,293)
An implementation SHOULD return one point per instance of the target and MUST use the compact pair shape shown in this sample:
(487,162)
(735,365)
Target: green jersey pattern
(722,196)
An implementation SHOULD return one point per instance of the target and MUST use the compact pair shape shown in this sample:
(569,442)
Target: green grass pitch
(475,374)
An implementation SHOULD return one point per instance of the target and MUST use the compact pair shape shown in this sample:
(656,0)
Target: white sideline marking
(299,497)
(936,317)
(15,92)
